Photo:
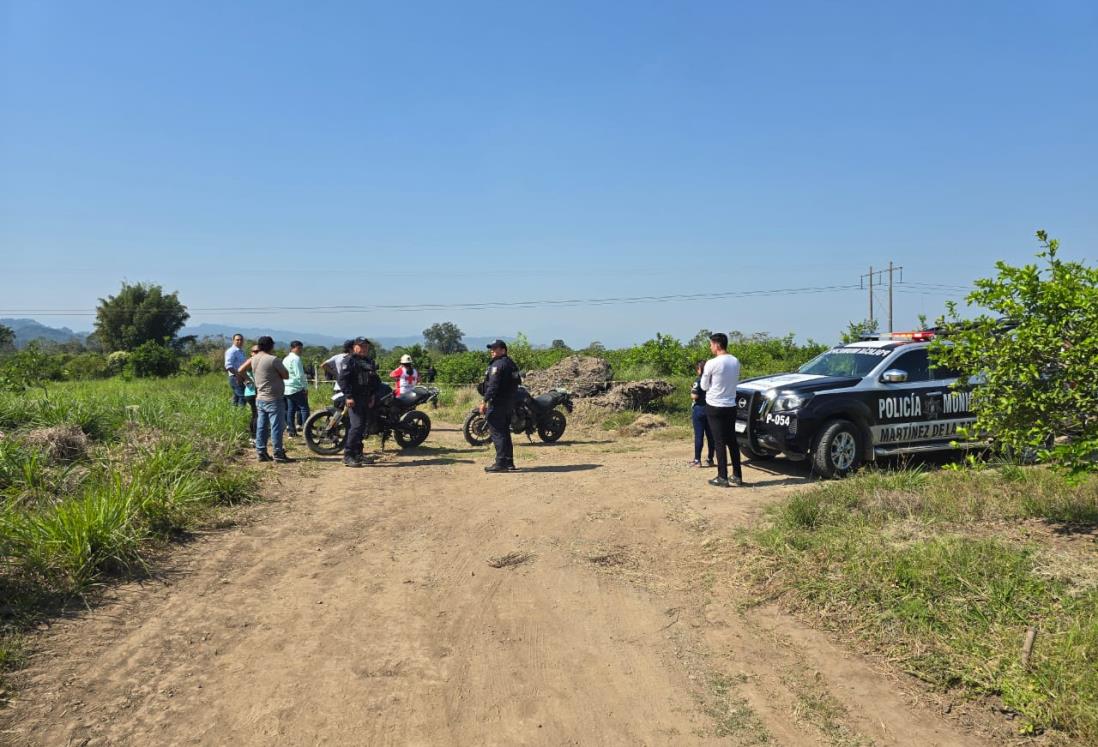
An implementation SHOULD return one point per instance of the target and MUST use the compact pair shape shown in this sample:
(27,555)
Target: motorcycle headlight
(790,401)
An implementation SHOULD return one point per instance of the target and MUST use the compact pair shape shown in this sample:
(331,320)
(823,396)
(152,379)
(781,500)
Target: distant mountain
(28,330)
(280,335)
(314,338)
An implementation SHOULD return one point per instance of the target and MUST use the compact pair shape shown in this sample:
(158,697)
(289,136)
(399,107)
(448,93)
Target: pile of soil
(583,376)
(633,395)
(643,424)
(587,377)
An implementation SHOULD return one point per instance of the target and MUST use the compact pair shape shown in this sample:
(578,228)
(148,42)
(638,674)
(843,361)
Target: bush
(87,366)
(197,365)
(152,359)
(116,362)
(29,368)
(462,368)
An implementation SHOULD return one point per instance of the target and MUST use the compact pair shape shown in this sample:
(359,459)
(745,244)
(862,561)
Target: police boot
(496,467)
(510,465)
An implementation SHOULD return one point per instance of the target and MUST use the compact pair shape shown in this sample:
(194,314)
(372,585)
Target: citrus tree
(1033,357)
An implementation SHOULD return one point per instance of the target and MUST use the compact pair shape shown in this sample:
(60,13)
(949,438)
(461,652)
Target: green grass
(926,567)
(159,462)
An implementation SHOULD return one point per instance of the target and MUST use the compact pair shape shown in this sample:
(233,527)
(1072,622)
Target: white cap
(405,358)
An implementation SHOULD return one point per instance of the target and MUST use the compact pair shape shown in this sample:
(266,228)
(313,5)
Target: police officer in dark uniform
(500,389)
(358,380)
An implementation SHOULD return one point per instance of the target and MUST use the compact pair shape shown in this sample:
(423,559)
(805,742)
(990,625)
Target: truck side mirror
(894,376)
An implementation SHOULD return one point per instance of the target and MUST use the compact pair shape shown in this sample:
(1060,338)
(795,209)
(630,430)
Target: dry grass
(511,559)
(59,443)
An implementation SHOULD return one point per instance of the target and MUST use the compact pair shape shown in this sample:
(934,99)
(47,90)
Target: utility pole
(876,277)
(871,294)
(890,296)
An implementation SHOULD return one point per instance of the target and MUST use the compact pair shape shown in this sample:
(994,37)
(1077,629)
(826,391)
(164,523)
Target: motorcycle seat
(546,401)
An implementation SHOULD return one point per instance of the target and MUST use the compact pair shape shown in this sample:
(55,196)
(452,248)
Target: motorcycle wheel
(552,426)
(324,437)
(475,429)
(413,430)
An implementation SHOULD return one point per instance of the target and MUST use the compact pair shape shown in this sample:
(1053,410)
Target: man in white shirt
(234,359)
(718,380)
(334,365)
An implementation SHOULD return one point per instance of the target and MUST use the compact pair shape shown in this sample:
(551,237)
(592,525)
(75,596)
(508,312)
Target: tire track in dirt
(359,608)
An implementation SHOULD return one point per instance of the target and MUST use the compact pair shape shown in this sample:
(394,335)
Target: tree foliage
(856,330)
(445,338)
(7,338)
(139,313)
(701,339)
(29,368)
(1033,357)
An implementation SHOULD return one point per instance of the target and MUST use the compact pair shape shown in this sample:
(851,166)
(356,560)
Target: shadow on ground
(560,468)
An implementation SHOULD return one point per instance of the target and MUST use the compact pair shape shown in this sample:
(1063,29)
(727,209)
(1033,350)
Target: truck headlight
(786,401)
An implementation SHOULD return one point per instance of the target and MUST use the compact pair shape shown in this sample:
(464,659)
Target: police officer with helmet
(500,390)
(358,381)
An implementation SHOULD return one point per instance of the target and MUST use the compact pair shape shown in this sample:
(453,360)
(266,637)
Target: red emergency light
(922,335)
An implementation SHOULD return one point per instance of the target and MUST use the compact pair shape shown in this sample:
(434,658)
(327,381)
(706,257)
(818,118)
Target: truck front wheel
(838,449)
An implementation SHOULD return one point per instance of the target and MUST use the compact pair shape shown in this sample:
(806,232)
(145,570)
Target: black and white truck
(854,403)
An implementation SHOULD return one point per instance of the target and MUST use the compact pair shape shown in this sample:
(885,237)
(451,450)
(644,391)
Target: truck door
(905,412)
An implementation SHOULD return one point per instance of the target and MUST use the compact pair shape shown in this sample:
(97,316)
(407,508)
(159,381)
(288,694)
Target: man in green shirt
(297,391)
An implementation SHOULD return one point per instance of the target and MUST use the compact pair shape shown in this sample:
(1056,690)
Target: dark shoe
(737,482)
(263,456)
(511,467)
(350,461)
(292,434)
(281,458)
(496,468)
(710,463)
(720,482)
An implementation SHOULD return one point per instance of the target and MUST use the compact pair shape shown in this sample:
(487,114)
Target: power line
(473,306)
(940,286)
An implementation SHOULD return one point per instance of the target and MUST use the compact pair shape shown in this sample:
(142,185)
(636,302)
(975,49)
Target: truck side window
(915,363)
(941,373)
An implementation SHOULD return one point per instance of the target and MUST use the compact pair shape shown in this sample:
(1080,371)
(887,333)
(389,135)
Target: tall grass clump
(154,458)
(938,572)
(70,543)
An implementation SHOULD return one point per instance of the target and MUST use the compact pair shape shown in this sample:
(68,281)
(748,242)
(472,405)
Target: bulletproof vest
(509,379)
(365,373)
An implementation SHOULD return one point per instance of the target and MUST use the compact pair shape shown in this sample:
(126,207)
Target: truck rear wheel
(838,449)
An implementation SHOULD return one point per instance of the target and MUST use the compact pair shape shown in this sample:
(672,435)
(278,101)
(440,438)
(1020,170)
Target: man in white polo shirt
(718,381)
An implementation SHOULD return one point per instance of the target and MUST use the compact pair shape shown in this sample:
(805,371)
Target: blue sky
(290,154)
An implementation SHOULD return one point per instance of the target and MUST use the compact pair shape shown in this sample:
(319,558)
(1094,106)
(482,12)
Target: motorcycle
(397,418)
(531,413)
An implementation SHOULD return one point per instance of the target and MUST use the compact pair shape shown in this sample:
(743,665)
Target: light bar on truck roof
(919,335)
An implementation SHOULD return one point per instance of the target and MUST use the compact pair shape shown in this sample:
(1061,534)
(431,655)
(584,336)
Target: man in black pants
(358,381)
(718,380)
(501,382)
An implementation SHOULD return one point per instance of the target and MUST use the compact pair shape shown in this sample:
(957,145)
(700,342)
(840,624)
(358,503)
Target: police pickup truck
(854,403)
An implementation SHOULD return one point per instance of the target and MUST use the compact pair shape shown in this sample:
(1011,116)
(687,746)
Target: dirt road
(360,607)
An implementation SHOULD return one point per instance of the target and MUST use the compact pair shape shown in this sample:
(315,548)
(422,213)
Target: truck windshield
(846,361)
